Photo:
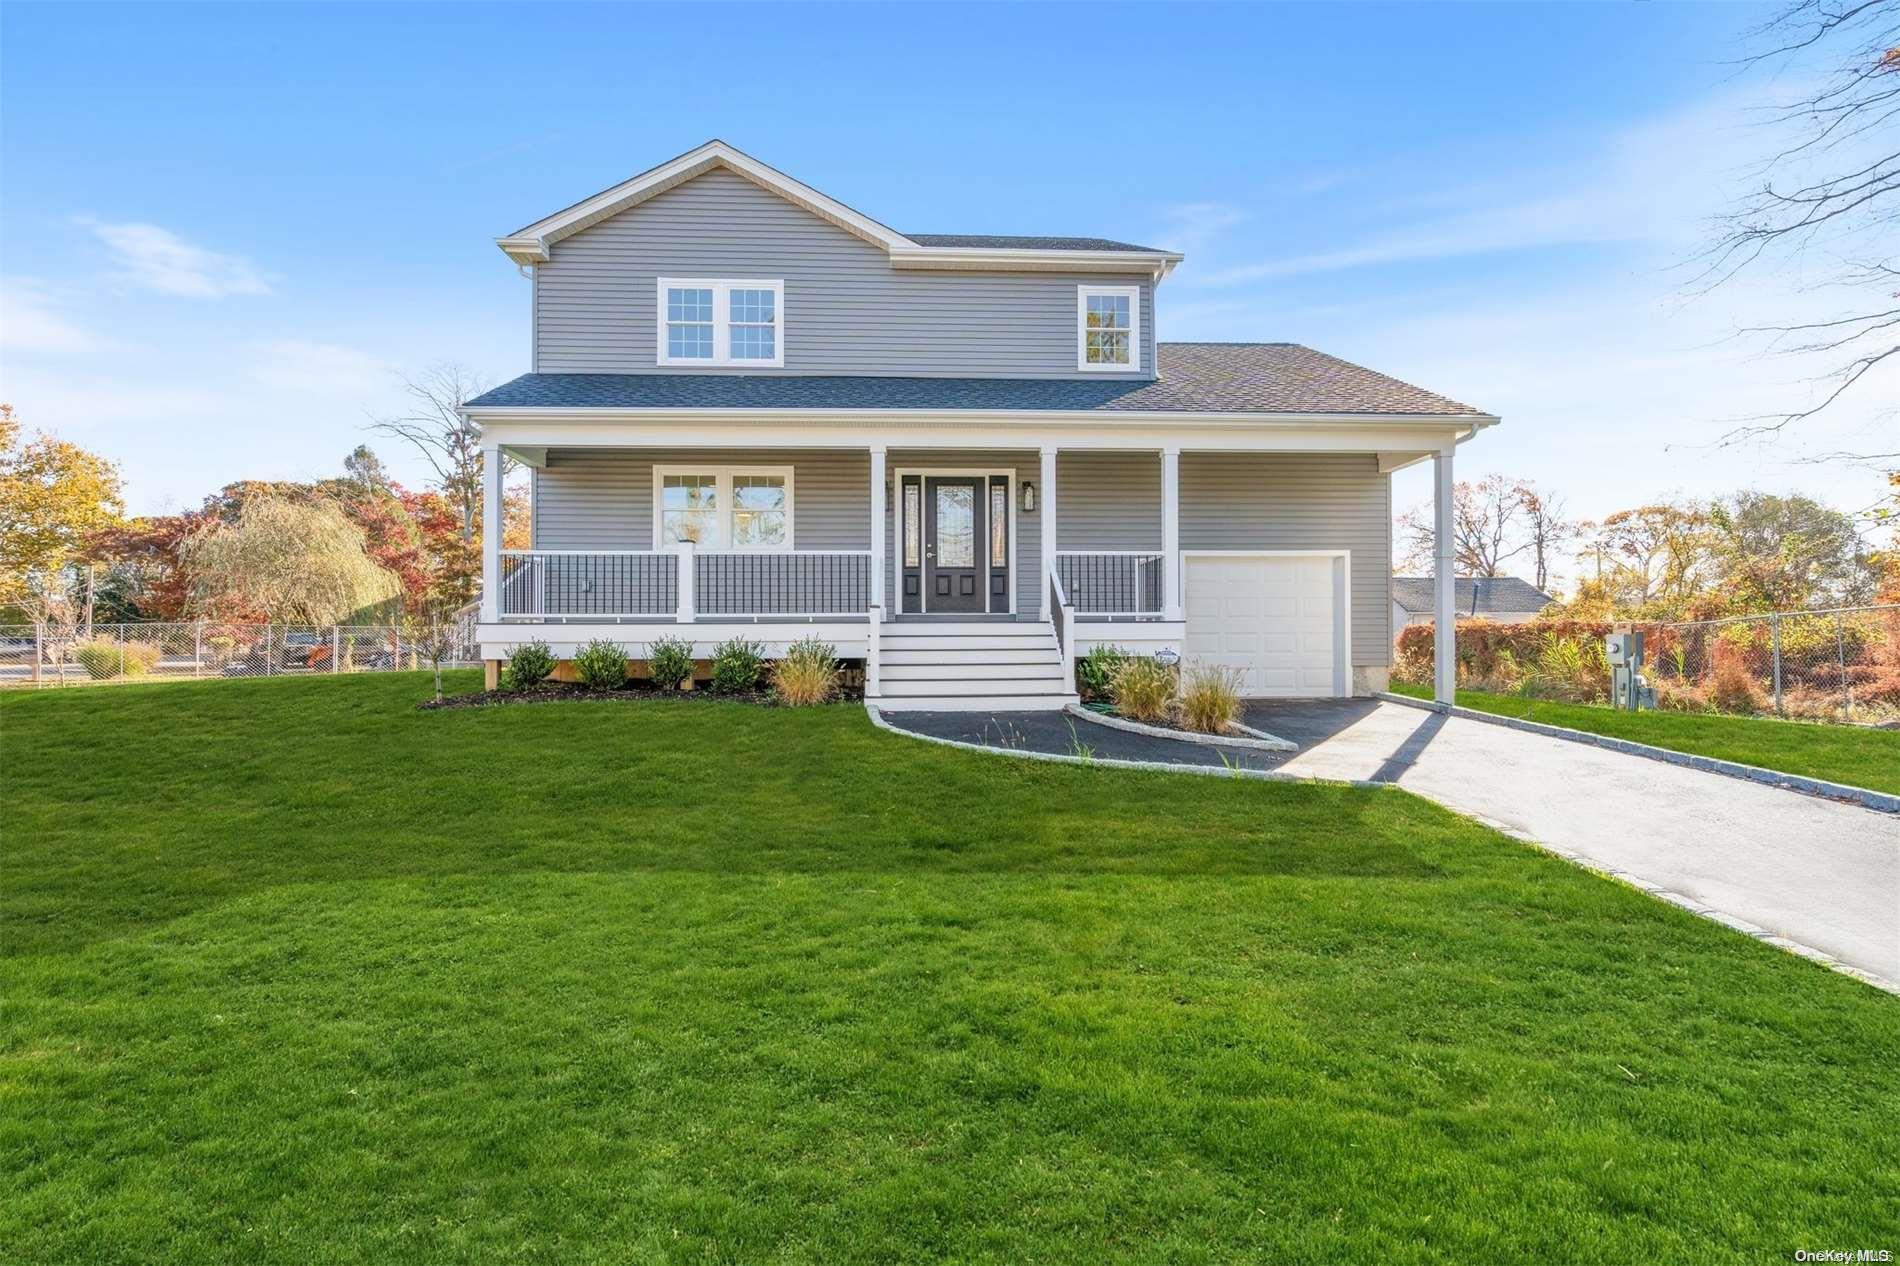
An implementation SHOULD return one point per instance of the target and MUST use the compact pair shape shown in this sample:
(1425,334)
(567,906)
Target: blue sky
(226,228)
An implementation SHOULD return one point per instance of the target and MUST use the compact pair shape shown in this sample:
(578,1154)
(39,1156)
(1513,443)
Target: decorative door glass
(956,525)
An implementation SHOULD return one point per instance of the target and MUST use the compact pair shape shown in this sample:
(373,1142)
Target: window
(1108,327)
(999,523)
(721,323)
(740,507)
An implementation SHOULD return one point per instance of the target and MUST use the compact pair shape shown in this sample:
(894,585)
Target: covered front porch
(1253,546)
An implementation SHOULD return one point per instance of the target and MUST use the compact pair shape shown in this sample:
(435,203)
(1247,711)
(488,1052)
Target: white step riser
(1046,655)
(972,672)
(967,686)
(974,703)
(969,629)
(1031,643)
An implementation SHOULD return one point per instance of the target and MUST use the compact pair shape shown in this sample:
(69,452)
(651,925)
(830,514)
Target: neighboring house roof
(1476,595)
(1265,378)
(530,244)
(1027,243)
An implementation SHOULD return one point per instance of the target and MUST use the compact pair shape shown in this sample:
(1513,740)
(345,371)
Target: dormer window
(718,322)
(1108,327)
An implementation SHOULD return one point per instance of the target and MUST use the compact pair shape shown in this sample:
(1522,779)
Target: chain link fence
(1836,665)
(1839,665)
(39,656)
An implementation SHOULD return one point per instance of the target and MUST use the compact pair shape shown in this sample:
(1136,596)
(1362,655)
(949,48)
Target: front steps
(979,666)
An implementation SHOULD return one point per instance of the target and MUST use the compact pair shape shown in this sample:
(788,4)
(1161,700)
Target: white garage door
(1275,620)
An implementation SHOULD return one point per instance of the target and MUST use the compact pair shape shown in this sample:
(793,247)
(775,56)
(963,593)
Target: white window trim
(723,523)
(1082,362)
(722,289)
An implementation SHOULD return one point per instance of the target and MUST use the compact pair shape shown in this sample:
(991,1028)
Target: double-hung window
(721,322)
(1108,327)
(723,507)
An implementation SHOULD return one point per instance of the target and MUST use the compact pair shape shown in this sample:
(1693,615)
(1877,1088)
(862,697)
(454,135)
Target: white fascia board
(1156,264)
(818,429)
(530,245)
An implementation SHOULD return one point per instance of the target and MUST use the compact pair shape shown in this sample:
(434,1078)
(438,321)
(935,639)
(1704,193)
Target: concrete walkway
(1822,875)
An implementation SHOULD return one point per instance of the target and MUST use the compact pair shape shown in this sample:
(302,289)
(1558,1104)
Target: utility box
(1629,689)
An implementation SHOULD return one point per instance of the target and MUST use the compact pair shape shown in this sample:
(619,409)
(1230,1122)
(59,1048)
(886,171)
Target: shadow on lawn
(131,811)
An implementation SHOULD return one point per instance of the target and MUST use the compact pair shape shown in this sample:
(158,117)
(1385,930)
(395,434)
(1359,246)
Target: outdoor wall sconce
(1029,498)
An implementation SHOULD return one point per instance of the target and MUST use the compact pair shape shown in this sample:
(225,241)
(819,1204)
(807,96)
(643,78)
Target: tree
(1829,196)
(1545,528)
(300,562)
(1659,557)
(53,497)
(1485,525)
(363,468)
(449,442)
(1779,553)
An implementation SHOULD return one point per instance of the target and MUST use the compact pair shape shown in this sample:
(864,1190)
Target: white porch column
(1171,533)
(491,533)
(1048,520)
(877,528)
(1444,588)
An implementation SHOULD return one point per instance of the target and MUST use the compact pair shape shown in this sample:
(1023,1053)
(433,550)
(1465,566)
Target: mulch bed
(632,692)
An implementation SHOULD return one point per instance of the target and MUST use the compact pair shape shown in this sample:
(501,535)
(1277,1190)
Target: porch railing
(1114,582)
(684,585)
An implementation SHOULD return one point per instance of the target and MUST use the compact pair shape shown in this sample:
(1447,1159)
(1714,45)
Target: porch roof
(1264,378)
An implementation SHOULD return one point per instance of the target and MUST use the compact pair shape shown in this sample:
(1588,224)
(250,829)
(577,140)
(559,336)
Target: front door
(954,570)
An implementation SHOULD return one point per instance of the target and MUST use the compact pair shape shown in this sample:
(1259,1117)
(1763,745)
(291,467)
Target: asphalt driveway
(1817,872)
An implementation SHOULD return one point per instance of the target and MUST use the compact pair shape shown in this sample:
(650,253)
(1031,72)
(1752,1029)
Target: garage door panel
(1269,620)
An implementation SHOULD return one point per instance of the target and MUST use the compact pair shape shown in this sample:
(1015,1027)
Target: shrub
(103,658)
(1093,670)
(601,665)
(530,665)
(1735,688)
(1210,698)
(808,674)
(736,665)
(670,661)
(1571,670)
(1142,688)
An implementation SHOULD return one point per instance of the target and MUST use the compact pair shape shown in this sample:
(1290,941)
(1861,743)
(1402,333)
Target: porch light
(1029,498)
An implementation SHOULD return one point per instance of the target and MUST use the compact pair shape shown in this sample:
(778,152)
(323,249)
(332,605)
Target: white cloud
(1187,226)
(30,323)
(160,260)
(311,367)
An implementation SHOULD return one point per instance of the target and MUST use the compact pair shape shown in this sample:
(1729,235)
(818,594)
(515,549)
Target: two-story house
(963,460)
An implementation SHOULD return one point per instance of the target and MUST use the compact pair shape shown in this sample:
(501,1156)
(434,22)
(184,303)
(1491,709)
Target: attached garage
(1280,619)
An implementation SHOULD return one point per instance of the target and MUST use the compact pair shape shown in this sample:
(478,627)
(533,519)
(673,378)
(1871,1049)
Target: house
(961,459)
(1503,599)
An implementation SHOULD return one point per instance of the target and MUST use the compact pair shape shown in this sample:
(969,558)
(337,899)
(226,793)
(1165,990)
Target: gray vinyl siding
(846,310)
(1300,501)
(1109,501)
(602,498)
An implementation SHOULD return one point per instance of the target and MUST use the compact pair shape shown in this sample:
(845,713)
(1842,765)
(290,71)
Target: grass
(1855,755)
(292,972)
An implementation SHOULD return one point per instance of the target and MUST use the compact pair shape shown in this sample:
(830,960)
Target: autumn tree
(1546,529)
(434,427)
(1486,518)
(1777,553)
(1657,555)
(1828,198)
(54,496)
(300,562)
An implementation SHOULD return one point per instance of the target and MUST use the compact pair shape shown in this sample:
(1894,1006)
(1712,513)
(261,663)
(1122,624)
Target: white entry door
(1278,620)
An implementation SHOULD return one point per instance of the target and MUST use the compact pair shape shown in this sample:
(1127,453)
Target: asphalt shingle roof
(1476,595)
(1195,378)
(1007,241)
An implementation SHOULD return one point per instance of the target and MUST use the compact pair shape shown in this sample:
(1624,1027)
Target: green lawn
(292,972)
(1854,755)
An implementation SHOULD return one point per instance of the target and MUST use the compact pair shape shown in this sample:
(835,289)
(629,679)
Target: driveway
(1824,874)
(1819,873)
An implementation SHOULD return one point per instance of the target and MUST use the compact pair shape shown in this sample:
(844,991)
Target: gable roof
(1476,595)
(1227,378)
(530,244)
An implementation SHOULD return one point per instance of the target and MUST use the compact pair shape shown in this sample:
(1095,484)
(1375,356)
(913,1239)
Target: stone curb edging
(1879,801)
(1677,899)
(1248,737)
